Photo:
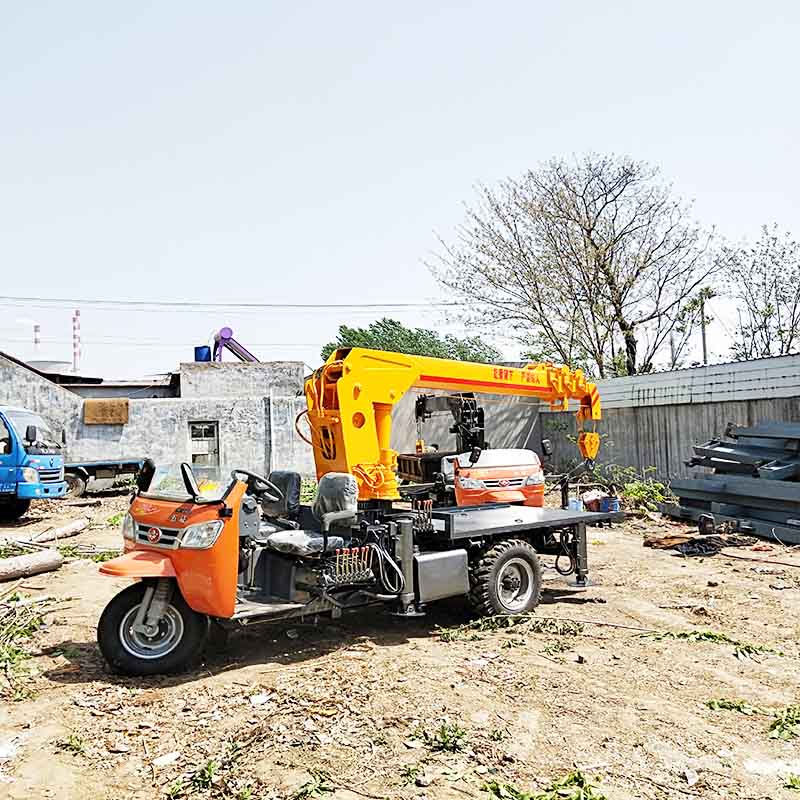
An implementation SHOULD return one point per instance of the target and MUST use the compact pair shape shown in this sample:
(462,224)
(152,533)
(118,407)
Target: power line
(133,342)
(197,305)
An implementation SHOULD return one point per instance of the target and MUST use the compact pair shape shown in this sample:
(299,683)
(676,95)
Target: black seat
(336,503)
(289,507)
(302,543)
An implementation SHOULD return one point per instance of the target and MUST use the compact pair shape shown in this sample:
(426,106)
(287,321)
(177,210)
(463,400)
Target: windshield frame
(533,463)
(20,419)
(181,495)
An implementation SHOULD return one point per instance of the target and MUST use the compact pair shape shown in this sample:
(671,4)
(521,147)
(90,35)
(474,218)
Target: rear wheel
(506,579)
(76,484)
(180,638)
(10,512)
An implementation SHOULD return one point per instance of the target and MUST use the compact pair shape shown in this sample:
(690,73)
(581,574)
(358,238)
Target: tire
(506,579)
(11,512)
(76,485)
(184,636)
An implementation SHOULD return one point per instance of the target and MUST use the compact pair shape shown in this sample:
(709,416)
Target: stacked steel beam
(755,484)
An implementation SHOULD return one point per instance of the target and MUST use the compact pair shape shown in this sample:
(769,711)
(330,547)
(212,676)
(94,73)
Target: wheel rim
(167,638)
(515,583)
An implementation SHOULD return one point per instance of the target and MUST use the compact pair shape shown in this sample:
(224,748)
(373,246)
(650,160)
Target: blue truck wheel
(10,512)
(76,484)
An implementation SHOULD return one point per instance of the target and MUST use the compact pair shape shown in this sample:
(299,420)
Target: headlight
(199,537)
(471,483)
(128,527)
(29,475)
(535,479)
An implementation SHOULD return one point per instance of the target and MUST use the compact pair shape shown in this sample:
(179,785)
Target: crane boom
(350,400)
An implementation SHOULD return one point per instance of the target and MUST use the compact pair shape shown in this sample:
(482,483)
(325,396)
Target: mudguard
(139,564)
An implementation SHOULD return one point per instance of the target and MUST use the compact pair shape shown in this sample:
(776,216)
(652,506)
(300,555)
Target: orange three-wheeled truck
(235,547)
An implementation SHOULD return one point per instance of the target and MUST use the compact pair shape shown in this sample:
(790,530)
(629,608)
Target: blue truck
(31,462)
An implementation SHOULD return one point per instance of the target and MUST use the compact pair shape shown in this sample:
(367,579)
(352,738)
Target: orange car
(499,476)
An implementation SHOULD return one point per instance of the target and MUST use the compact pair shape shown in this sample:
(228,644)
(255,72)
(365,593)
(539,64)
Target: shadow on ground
(287,642)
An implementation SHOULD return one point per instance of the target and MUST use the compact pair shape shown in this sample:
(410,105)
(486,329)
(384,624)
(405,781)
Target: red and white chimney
(76,340)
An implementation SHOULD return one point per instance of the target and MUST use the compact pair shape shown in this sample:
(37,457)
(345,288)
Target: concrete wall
(114,390)
(255,433)
(226,379)
(21,387)
(288,450)
(159,429)
(510,422)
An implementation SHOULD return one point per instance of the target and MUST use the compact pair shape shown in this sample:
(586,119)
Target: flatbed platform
(463,522)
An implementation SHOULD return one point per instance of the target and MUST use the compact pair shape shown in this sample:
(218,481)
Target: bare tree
(764,281)
(590,262)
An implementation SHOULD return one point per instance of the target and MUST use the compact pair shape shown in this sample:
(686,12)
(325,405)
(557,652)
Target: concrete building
(206,413)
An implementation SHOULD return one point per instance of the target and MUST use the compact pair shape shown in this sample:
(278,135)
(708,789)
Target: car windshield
(168,483)
(502,457)
(46,439)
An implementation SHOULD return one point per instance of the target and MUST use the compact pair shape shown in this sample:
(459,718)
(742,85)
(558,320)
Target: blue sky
(310,152)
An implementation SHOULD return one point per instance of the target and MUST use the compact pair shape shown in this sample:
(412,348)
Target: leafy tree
(764,282)
(590,262)
(389,334)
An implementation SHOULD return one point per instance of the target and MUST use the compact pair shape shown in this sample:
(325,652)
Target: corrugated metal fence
(652,420)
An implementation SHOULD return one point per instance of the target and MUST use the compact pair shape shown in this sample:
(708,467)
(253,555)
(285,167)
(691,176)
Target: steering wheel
(259,485)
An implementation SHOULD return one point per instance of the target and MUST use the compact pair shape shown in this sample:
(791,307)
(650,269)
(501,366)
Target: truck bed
(463,522)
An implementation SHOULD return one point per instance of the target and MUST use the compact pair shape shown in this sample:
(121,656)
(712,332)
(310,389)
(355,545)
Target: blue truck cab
(31,462)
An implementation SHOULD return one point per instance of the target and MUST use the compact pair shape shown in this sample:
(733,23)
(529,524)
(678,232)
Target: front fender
(139,564)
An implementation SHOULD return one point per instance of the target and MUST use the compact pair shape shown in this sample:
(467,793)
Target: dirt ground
(350,709)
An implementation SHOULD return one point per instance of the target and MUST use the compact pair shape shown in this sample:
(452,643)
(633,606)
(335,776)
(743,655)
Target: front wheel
(506,579)
(13,510)
(180,639)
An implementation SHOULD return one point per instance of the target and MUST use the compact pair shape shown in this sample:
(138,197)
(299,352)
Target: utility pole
(703,326)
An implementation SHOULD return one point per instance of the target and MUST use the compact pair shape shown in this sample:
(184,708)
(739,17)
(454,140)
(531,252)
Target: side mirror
(189,480)
(145,475)
(547,447)
(31,434)
(474,455)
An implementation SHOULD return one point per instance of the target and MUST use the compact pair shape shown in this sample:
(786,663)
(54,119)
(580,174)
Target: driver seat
(289,507)
(335,504)
(282,514)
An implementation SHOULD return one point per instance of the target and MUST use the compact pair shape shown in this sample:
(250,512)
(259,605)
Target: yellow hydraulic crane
(350,400)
